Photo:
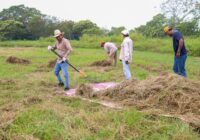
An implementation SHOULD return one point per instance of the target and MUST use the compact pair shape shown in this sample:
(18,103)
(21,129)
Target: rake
(82,74)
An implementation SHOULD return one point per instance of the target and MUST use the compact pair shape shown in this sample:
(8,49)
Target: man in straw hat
(63,48)
(180,52)
(126,54)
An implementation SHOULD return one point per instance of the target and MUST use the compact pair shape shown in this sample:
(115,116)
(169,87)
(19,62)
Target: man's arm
(126,52)
(54,47)
(180,46)
(69,49)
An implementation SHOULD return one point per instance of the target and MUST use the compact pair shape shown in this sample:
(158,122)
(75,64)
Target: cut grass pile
(165,94)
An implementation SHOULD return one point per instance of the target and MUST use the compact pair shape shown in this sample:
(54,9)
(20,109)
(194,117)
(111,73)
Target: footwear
(60,84)
(66,89)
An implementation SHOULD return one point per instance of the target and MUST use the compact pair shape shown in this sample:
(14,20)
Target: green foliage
(153,28)
(141,43)
(189,28)
(67,28)
(36,27)
(35,24)
(93,31)
(83,26)
(179,11)
(19,13)
(12,30)
(116,30)
(50,39)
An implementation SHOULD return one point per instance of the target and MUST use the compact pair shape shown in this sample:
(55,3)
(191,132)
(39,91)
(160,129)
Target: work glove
(126,62)
(49,48)
(64,59)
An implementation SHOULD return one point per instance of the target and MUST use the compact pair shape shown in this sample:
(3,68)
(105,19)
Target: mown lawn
(33,107)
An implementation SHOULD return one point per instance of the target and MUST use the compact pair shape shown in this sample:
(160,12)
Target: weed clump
(7,82)
(102,63)
(85,90)
(52,63)
(15,60)
(32,100)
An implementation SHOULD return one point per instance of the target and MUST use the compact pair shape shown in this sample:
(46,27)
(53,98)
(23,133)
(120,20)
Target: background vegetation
(21,22)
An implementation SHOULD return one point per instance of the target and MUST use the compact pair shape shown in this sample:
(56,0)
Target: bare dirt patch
(102,63)
(15,60)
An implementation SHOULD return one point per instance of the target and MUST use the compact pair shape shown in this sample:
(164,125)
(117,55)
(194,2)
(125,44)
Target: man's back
(176,38)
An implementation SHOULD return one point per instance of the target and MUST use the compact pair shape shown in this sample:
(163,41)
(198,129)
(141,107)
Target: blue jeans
(64,67)
(179,65)
(126,70)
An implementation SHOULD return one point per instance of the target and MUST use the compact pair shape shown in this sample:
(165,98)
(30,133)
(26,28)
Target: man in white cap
(126,53)
(63,48)
(111,50)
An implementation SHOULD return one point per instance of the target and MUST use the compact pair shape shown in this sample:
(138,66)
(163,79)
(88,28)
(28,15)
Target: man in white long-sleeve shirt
(111,50)
(126,54)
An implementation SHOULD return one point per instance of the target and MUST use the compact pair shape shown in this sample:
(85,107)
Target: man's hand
(64,59)
(49,48)
(178,54)
(126,62)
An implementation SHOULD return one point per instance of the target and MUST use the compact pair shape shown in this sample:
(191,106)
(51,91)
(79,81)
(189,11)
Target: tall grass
(141,43)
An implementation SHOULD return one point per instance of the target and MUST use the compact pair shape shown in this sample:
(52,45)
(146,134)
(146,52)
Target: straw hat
(58,33)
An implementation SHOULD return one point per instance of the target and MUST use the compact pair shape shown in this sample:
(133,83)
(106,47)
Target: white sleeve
(126,51)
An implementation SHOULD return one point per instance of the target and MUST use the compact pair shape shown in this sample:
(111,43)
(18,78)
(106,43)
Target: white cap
(125,32)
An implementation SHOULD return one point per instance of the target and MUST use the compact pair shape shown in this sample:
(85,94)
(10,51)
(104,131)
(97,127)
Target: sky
(105,13)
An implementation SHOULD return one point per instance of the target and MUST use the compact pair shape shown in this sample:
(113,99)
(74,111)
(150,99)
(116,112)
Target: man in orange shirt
(111,50)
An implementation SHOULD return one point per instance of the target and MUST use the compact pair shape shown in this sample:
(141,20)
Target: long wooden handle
(65,61)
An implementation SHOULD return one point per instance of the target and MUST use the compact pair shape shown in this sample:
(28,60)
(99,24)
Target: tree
(93,31)
(67,27)
(11,29)
(180,10)
(116,30)
(189,28)
(51,23)
(31,19)
(80,27)
(20,13)
(153,28)
(36,27)
(105,31)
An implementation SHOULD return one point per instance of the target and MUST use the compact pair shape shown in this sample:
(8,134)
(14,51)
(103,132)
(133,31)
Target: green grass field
(33,107)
